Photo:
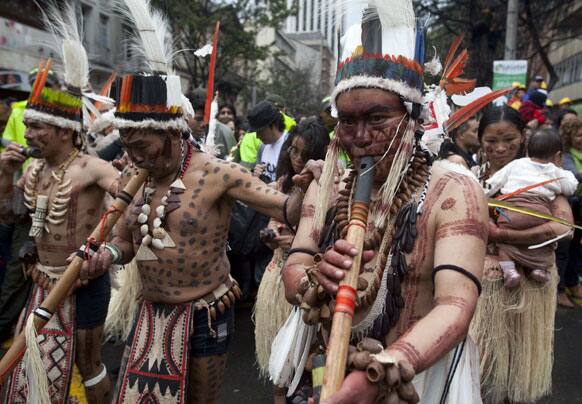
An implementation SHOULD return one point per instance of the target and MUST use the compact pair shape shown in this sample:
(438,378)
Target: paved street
(243,387)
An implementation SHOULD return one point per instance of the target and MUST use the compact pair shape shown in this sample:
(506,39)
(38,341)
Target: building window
(325,21)
(103,31)
(318,15)
(312,15)
(86,11)
(333,30)
(304,15)
(569,71)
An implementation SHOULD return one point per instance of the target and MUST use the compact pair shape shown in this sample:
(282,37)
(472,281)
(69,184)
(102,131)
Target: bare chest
(65,209)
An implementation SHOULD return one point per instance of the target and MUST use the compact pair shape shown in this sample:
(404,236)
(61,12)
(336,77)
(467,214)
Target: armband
(460,270)
(114,252)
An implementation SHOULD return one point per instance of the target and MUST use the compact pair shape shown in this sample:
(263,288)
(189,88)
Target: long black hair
(316,139)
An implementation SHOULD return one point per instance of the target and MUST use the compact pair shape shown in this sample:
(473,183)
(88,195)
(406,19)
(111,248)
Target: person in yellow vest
(250,143)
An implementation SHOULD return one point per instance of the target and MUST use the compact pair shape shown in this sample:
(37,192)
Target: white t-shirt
(524,172)
(270,157)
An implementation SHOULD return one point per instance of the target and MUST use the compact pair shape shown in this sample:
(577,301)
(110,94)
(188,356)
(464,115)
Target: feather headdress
(61,108)
(384,50)
(441,122)
(153,99)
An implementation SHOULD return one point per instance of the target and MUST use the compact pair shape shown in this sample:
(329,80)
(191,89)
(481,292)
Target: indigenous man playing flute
(426,235)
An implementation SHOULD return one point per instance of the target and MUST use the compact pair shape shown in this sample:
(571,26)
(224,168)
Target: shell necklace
(43,215)
(159,238)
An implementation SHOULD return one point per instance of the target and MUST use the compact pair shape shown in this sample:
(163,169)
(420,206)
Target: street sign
(506,72)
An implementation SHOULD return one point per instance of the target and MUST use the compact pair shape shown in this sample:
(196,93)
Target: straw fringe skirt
(271,310)
(514,330)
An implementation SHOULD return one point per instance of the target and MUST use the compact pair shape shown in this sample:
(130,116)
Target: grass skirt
(514,330)
(271,310)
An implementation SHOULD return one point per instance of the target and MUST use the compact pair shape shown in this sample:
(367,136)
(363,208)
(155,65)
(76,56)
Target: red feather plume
(460,86)
(451,53)
(468,111)
(456,68)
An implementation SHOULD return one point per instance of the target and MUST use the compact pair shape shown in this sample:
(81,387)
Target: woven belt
(51,272)
(215,295)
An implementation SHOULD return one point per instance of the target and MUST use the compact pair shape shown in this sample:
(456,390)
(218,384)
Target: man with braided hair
(64,192)
(425,239)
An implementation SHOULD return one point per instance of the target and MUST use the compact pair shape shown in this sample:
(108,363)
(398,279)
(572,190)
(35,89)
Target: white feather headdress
(153,43)
(382,50)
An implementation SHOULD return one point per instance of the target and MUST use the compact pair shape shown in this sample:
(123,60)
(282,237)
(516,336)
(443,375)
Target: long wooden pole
(341,327)
(62,288)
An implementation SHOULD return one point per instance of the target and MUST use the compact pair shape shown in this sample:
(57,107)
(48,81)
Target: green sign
(507,72)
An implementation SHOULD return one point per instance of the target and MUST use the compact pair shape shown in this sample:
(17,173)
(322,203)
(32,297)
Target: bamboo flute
(339,339)
(61,289)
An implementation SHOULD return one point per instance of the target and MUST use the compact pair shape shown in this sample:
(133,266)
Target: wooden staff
(62,288)
(345,303)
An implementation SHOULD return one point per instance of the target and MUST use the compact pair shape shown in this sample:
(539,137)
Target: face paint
(152,150)
(371,123)
(41,136)
(501,142)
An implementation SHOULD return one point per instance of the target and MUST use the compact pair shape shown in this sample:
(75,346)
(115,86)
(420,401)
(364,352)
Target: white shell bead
(147,240)
(159,232)
(142,218)
(148,190)
(160,211)
(144,229)
(146,209)
(157,243)
(157,222)
(164,200)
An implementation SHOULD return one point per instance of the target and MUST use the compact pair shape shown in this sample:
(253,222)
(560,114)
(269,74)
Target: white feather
(210,145)
(173,91)
(66,30)
(155,40)
(99,98)
(290,350)
(433,67)
(280,362)
(204,51)
(398,26)
(187,107)
(304,347)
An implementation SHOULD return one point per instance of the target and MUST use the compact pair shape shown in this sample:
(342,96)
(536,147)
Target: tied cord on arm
(102,222)
(460,270)
(301,250)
